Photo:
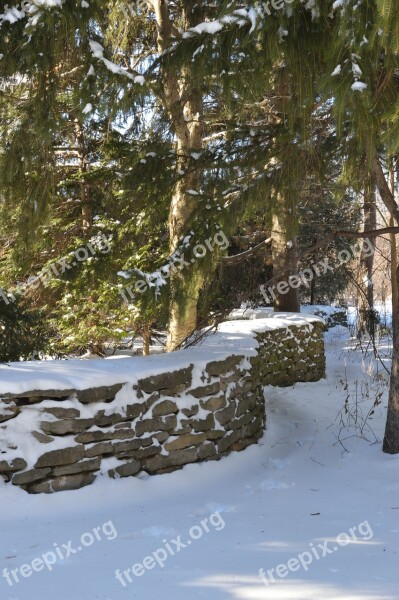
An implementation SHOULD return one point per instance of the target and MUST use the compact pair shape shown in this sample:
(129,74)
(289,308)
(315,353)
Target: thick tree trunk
(183,101)
(394,282)
(391,438)
(284,252)
(394,261)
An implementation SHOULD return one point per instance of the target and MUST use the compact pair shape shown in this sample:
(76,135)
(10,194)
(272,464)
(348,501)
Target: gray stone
(123,425)
(206,451)
(90,437)
(247,403)
(63,483)
(166,407)
(166,380)
(174,459)
(203,424)
(17,464)
(237,423)
(225,443)
(162,436)
(253,428)
(103,420)
(126,470)
(147,441)
(42,394)
(99,394)
(135,410)
(101,449)
(127,446)
(215,434)
(92,464)
(215,403)
(42,438)
(142,453)
(185,441)
(177,390)
(9,411)
(62,413)
(65,456)
(27,477)
(220,367)
(157,424)
(183,429)
(206,390)
(190,412)
(66,426)
(226,414)
(242,444)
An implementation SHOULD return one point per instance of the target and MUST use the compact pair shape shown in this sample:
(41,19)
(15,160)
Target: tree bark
(394,261)
(183,100)
(313,292)
(391,437)
(284,252)
(146,339)
(366,286)
(86,207)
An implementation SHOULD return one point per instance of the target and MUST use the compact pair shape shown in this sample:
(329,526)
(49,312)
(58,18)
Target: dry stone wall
(158,424)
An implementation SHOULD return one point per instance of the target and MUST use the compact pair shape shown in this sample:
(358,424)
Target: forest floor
(314,504)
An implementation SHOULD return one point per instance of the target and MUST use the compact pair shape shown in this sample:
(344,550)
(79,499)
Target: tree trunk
(284,252)
(183,101)
(394,261)
(146,339)
(366,285)
(313,292)
(86,207)
(391,438)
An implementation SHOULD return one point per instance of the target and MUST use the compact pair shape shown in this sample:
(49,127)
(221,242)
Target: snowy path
(268,503)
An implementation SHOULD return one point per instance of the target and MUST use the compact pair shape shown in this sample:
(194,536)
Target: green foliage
(82,136)
(23,333)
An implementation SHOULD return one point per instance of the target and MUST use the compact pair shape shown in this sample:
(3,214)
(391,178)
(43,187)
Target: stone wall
(331,316)
(53,440)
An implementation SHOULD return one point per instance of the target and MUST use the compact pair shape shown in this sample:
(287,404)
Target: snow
(210,28)
(88,108)
(308,315)
(98,52)
(297,489)
(359,86)
(234,336)
(339,4)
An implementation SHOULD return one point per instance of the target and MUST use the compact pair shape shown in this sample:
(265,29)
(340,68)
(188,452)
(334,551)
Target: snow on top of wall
(328,310)
(283,319)
(233,337)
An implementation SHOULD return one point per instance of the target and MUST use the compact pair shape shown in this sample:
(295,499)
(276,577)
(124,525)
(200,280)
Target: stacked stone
(290,355)
(171,420)
(338,317)
(226,413)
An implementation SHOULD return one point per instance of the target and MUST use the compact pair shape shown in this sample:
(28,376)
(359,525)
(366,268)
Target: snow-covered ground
(282,502)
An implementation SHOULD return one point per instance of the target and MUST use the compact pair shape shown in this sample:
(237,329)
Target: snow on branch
(98,52)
